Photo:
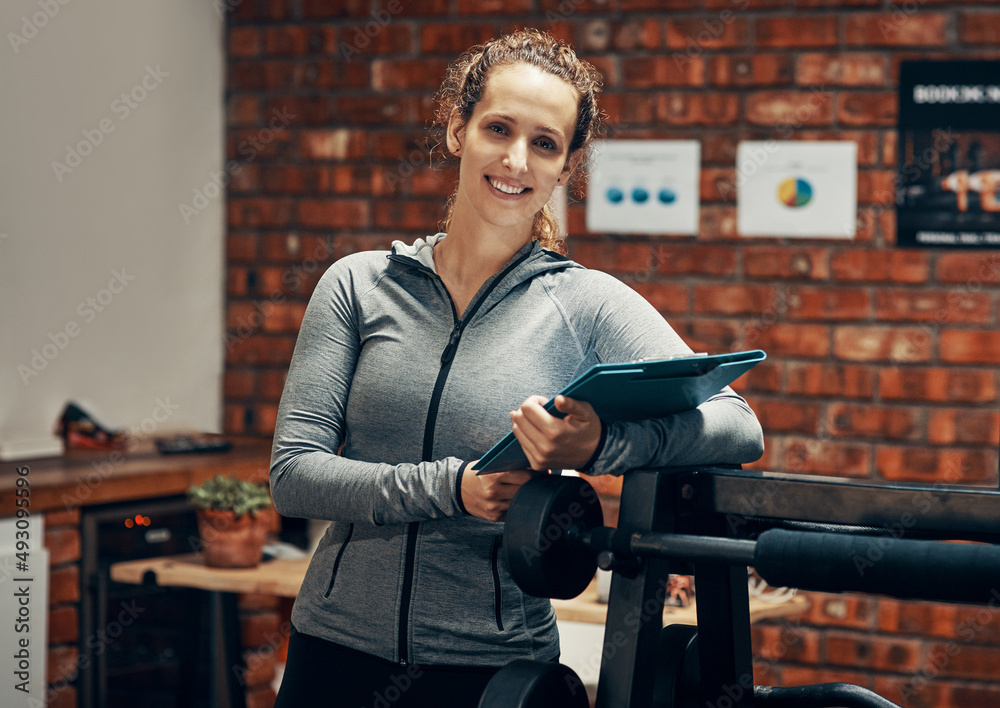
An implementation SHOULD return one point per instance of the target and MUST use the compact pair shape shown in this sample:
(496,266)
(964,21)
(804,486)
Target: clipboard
(636,390)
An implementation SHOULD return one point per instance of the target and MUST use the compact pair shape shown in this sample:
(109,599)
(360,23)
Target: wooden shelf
(283,577)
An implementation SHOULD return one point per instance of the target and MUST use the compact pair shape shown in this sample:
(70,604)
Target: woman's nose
(516,158)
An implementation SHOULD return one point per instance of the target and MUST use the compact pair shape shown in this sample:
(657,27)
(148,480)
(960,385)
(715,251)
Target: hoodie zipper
(447,356)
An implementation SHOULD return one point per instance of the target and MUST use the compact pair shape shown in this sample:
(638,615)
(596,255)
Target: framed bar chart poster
(948,187)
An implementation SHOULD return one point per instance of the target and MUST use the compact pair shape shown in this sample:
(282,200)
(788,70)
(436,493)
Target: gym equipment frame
(812,533)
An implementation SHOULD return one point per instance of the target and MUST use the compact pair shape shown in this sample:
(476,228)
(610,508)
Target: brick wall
(882,363)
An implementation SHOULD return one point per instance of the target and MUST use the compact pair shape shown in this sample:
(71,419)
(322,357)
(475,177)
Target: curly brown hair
(465,82)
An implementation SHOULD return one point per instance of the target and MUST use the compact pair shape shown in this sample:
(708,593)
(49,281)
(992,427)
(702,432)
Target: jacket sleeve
(722,430)
(308,477)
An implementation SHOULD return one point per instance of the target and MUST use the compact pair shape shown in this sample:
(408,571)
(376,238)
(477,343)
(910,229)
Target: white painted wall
(137,85)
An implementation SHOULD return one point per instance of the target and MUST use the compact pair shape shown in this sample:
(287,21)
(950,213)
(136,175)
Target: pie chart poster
(949,155)
(797,188)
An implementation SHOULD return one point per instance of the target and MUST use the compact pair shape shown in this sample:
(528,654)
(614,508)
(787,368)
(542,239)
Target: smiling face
(514,149)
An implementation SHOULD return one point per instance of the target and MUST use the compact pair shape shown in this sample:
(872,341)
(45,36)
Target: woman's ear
(455,133)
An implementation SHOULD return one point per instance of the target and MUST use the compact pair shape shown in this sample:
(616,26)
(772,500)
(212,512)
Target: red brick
(850,649)
(243,42)
(783,643)
(815,4)
(407,74)
(923,619)
(64,584)
(783,262)
(339,144)
(960,426)
(750,70)
(61,664)
(314,9)
(842,69)
(979,28)
(796,32)
(938,385)
(452,38)
(694,259)
(734,299)
(873,343)
(241,248)
(63,545)
(717,184)
(792,340)
(970,347)
(238,384)
(718,221)
(830,380)
(687,109)
(259,350)
(636,34)
(867,109)
(898,464)
(272,383)
(825,457)
(809,303)
(962,661)
(629,108)
(265,416)
(419,216)
(880,422)
(789,109)
(64,697)
(845,610)
(64,624)
(258,211)
(260,667)
(793,675)
(976,694)
(375,110)
(494,7)
(704,335)
(781,417)
(62,517)
(897,29)
(667,298)
(333,213)
(649,72)
(933,306)
(971,270)
(766,377)
(258,628)
(695,35)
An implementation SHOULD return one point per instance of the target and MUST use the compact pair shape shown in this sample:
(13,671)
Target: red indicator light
(128,523)
(146,521)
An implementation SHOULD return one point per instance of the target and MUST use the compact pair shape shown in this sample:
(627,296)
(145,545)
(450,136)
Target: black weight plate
(543,561)
(534,684)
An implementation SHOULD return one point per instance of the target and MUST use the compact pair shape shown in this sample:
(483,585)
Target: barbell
(554,541)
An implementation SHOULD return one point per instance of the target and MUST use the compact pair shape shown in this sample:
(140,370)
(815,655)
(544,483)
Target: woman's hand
(488,496)
(550,442)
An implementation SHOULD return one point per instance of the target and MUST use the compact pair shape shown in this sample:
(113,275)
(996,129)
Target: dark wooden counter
(84,477)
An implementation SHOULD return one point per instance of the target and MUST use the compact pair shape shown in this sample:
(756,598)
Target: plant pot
(228,542)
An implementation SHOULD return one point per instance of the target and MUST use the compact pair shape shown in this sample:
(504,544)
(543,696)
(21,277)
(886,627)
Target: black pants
(321,673)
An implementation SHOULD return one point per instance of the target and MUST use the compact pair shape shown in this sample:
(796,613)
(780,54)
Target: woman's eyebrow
(541,128)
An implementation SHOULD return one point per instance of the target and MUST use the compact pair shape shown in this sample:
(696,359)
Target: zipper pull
(449,351)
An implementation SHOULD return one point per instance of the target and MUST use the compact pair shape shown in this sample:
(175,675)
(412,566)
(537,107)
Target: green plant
(230,494)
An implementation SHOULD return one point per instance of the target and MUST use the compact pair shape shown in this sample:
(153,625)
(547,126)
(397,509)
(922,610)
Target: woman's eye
(498,129)
(547,144)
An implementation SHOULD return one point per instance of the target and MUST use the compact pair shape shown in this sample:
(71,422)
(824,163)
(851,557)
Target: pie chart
(795,192)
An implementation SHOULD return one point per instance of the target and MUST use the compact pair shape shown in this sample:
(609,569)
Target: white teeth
(506,189)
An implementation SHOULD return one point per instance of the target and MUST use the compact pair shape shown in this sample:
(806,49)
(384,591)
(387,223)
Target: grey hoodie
(389,396)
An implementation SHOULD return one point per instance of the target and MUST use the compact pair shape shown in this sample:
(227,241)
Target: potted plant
(232,524)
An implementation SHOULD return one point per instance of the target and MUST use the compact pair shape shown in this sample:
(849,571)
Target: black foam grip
(884,565)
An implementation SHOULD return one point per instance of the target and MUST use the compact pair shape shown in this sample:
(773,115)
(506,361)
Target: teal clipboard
(637,390)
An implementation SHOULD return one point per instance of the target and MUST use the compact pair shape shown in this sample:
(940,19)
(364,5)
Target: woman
(410,364)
